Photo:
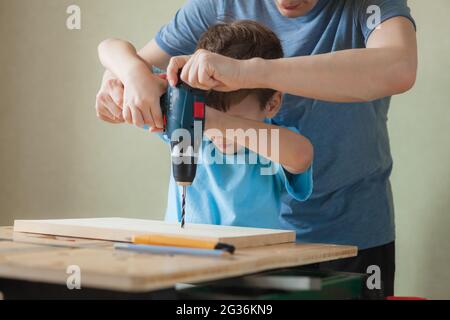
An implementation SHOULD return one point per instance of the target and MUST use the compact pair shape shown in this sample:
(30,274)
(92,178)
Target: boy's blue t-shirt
(242,189)
(352,201)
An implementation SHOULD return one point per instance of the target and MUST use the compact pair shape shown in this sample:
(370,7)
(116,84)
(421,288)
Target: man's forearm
(344,76)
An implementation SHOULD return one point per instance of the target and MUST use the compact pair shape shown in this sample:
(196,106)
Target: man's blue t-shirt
(242,189)
(352,199)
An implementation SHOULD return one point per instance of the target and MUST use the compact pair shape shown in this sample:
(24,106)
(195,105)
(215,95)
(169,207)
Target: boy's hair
(241,40)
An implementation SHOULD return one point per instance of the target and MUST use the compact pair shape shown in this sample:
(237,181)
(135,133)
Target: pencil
(170,250)
(181,241)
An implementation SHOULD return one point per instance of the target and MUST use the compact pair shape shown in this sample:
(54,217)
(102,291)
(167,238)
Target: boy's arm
(179,36)
(142,88)
(119,57)
(292,150)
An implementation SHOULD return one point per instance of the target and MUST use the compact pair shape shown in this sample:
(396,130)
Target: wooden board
(56,241)
(6,233)
(105,268)
(121,230)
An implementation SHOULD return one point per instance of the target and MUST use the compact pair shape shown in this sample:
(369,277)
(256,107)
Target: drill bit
(183,208)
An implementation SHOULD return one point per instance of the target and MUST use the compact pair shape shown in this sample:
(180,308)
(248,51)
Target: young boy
(232,189)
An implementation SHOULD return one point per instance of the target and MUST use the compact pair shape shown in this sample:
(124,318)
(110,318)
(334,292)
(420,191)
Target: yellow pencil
(180,241)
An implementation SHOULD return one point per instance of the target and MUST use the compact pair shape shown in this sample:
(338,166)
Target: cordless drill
(183,110)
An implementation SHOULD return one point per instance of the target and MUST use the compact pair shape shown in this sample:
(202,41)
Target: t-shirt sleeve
(164,138)
(299,186)
(180,36)
(368,10)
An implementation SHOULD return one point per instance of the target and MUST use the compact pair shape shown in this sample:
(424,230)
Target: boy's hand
(209,71)
(141,101)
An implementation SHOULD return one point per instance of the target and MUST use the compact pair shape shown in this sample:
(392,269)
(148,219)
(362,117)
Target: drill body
(183,110)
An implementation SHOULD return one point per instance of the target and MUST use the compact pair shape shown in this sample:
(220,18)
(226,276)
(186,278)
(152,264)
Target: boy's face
(249,108)
(295,8)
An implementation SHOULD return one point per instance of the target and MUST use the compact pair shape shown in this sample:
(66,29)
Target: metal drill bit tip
(183,208)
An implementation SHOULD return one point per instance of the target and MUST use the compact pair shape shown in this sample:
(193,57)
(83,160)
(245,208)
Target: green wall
(57,160)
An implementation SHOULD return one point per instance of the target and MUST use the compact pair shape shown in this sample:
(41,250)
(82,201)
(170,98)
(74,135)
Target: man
(343,61)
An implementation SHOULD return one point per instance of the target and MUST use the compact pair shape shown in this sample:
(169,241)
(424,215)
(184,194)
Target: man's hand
(208,71)
(109,99)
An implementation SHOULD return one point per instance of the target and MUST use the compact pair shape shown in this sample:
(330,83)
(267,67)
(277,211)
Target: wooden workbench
(45,260)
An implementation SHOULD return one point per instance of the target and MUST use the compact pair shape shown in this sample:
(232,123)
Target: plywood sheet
(122,230)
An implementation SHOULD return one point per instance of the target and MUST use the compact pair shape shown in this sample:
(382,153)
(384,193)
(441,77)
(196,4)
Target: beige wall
(57,160)
(420,132)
